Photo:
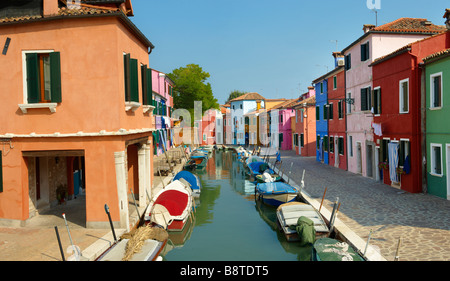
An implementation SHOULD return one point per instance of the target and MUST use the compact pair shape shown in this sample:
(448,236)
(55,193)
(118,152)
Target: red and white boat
(171,208)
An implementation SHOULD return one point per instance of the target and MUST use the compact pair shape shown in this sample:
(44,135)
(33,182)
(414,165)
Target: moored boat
(288,216)
(196,163)
(276,193)
(142,244)
(266,177)
(192,180)
(258,168)
(327,249)
(172,207)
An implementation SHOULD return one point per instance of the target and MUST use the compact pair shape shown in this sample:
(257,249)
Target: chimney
(368,27)
(311,91)
(338,59)
(447,17)
(50,8)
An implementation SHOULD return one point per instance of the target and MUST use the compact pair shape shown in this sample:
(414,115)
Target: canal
(228,224)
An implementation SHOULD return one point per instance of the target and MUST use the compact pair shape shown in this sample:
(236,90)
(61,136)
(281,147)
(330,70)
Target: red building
(305,126)
(336,118)
(398,106)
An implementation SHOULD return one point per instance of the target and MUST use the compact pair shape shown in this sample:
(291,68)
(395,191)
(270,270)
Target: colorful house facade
(59,128)
(376,42)
(162,100)
(321,88)
(437,73)
(305,126)
(336,118)
(283,113)
(238,108)
(397,106)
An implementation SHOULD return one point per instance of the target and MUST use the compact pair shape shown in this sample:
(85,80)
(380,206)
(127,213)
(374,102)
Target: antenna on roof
(376,16)
(336,44)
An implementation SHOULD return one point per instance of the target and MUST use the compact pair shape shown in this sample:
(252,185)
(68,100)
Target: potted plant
(383,165)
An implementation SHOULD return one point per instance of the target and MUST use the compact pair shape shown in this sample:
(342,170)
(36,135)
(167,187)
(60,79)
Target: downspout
(346,115)
(423,104)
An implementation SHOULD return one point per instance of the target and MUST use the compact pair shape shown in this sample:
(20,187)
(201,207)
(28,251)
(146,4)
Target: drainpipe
(423,104)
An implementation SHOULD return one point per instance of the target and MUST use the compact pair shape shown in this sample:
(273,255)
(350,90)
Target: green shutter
(149,85)
(126,64)
(363,100)
(33,84)
(55,77)
(134,81)
(144,82)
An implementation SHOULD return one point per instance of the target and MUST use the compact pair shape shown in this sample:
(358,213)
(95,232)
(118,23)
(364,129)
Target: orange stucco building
(75,116)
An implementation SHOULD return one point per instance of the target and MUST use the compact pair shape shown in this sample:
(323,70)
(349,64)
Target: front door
(358,158)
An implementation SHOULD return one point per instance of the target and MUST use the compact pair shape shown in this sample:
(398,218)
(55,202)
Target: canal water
(228,224)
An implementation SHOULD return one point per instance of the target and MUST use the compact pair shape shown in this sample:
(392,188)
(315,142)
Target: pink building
(285,112)
(162,100)
(376,42)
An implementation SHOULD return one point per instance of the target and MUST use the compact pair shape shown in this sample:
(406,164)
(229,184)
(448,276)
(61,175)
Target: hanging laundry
(377,129)
(393,160)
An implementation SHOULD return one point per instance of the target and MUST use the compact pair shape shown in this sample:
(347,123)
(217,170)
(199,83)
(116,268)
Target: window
(385,150)
(332,144)
(325,112)
(146,78)
(317,113)
(404,151)
(334,82)
(365,53)
(330,111)
(295,139)
(131,79)
(436,90)
(302,140)
(377,101)
(321,88)
(43,77)
(436,159)
(325,143)
(340,109)
(341,145)
(348,62)
(240,106)
(350,145)
(301,115)
(404,96)
(366,99)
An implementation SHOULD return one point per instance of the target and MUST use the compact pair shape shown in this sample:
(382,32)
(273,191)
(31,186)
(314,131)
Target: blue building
(322,112)
(238,108)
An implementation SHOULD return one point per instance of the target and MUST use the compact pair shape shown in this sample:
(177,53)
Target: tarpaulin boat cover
(305,230)
(189,177)
(327,249)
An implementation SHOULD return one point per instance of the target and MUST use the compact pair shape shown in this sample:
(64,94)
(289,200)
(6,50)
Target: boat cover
(176,198)
(305,230)
(252,159)
(259,167)
(327,249)
(189,177)
(275,188)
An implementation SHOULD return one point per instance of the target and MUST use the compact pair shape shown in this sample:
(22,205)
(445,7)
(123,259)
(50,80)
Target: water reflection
(229,224)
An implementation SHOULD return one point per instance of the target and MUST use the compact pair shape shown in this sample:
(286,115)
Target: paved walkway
(421,221)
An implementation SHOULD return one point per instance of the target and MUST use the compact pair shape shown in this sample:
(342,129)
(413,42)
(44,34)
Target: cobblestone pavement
(422,221)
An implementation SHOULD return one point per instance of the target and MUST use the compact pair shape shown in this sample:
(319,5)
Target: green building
(437,78)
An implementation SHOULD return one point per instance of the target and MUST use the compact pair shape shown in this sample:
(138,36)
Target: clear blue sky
(275,48)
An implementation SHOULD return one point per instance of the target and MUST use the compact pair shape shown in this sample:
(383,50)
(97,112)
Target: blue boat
(192,179)
(258,168)
(276,193)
